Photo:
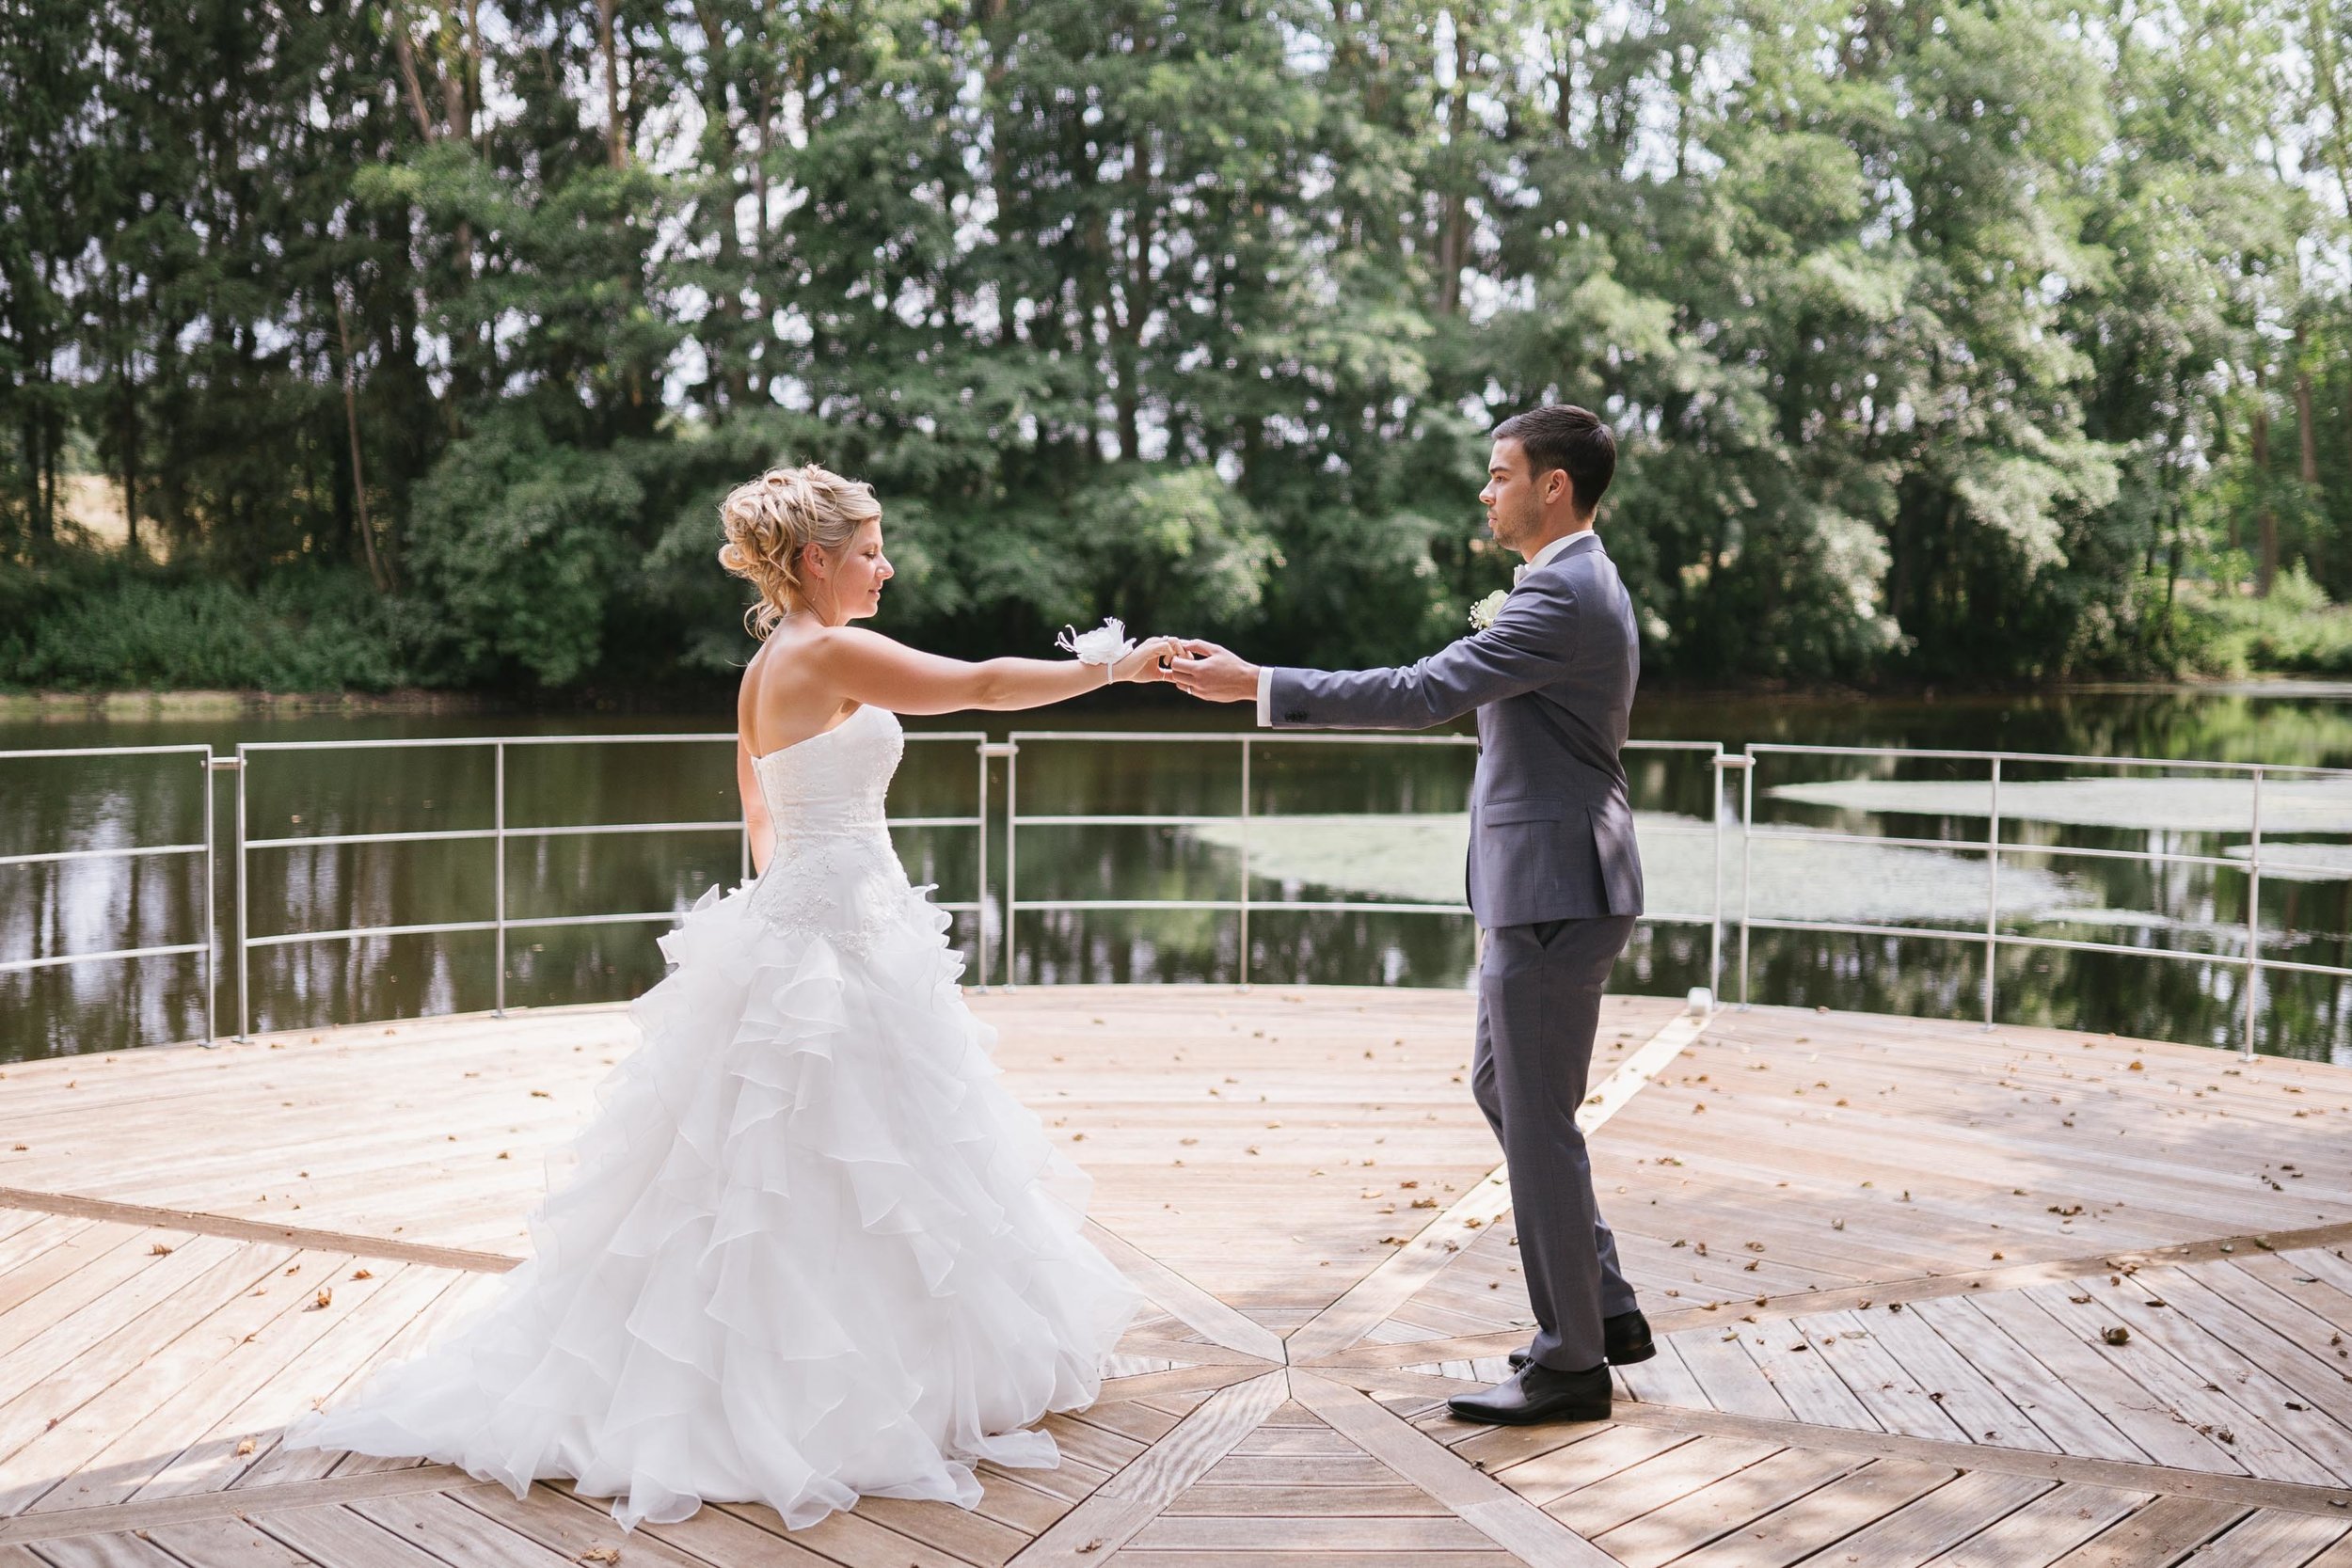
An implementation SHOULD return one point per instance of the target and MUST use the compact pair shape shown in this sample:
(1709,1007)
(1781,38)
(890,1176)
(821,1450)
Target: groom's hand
(1215,674)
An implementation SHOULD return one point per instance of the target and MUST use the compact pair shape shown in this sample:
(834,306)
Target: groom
(1554,877)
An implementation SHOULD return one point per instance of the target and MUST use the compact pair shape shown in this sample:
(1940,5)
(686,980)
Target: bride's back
(784,699)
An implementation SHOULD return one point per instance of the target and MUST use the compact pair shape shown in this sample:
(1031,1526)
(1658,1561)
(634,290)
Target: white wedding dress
(810,1248)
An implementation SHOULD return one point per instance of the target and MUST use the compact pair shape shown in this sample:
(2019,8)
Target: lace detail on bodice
(833,870)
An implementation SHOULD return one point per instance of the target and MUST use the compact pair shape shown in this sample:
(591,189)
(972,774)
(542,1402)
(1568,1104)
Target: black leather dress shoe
(1624,1339)
(1536,1394)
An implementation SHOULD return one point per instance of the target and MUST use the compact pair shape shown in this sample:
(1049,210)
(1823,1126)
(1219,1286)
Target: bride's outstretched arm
(873,668)
(756,819)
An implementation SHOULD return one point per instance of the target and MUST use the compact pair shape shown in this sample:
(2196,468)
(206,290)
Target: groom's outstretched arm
(1525,648)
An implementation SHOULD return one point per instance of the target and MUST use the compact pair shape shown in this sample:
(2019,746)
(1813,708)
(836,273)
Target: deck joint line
(231,1227)
(1391,1282)
(117,1518)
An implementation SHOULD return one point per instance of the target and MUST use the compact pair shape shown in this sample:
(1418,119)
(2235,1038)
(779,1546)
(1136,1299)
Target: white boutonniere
(1482,613)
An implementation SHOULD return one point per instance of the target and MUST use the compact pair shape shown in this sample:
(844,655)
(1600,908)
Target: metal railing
(1003,962)
(205,763)
(500,832)
(1994,847)
(1244,904)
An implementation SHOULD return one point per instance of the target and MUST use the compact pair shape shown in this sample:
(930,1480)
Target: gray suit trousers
(1539,990)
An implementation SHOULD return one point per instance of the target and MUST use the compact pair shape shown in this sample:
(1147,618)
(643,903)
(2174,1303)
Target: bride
(809,1247)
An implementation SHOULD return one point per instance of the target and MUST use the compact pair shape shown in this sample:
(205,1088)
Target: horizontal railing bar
(349,933)
(58,753)
(634,739)
(126,853)
(2235,960)
(594,828)
(447,834)
(14,965)
(1771,833)
(2341,973)
(422,835)
(1140,820)
(2267,768)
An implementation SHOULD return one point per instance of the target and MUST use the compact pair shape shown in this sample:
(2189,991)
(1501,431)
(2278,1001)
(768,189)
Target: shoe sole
(1492,1418)
(1648,1352)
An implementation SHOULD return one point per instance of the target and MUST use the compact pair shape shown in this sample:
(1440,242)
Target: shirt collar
(1553,552)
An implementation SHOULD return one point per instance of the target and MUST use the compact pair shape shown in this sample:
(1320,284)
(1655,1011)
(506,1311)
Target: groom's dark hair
(1562,435)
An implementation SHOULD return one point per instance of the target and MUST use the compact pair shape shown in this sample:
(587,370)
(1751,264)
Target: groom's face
(1514,498)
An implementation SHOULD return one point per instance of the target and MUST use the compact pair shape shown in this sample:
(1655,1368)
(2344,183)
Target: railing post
(979,898)
(212,957)
(1992,892)
(1747,865)
(1012,872)
(2253,916)
(498,822)
(1715,927)
(245,967)
(1245,862)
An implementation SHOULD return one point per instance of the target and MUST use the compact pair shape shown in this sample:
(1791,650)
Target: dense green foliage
(1945,341)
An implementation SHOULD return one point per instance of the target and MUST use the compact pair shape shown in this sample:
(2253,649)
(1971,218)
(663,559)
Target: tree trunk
(377,573)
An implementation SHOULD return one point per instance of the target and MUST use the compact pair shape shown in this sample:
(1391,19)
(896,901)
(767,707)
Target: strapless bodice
(833,782)
(833,871)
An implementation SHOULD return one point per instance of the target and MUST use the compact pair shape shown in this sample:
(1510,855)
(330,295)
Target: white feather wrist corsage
(1107,644)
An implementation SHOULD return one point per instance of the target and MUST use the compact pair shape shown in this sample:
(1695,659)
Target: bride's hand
(1151,660)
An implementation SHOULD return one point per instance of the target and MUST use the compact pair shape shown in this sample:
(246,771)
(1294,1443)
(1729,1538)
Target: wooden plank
(107,1551)
(2045,1528)
(1181,1297)
(1721,1507)
(1302,1501)
(1831,1514)
(225,1544)
(1551,1475)
(213,1460)
(146,1447)
(1601,1504)
(2274,1540)
(1982,1412)
(1486,1504)
(1353,1469)
(572,1526)
(2129,1407)
(1924,1529)
(1729,1376)
(1203,1534)
(2182,1389)
(1794,1360)
(339,1537)
(2166,1529)
(1121,1506)
(2063,1417)
(457,1534)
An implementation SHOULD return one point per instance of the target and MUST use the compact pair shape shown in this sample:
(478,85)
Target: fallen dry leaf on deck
(159,1250)
(244,1448)
(363,1273)
(326,1297)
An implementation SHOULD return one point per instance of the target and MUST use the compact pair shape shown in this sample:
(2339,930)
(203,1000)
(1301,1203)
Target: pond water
(1330,823)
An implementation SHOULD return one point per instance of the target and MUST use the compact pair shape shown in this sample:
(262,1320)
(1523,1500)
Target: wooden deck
(1888,1259)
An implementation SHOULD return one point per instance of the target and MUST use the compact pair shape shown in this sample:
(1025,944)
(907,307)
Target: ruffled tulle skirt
(808,1248)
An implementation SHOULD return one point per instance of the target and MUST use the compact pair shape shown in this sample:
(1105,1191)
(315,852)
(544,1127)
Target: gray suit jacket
(1551,833)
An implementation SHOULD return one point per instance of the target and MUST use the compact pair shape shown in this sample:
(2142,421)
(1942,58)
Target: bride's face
(855,578)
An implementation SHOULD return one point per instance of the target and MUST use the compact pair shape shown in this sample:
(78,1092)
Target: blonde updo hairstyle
(770,522)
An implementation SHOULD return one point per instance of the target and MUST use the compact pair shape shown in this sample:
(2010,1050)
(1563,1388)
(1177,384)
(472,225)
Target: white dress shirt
(1541,557)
